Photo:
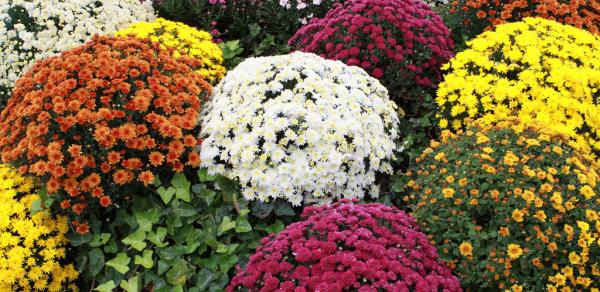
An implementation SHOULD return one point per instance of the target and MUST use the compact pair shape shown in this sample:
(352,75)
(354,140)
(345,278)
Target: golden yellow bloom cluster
(32,248)
(182,38)
(504,201)
(535,69)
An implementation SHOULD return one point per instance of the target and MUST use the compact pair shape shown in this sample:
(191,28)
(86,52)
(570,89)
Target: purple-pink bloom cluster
(347,246)
(401,42)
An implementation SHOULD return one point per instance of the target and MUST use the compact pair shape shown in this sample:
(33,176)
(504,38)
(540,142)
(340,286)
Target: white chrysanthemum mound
(35,29)
(295,125)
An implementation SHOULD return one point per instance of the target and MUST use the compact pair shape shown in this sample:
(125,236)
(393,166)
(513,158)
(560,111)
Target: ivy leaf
(283,208)
(182,187)
(106,287)
(184,210)
(254,29)
(36,207)
(178,273)
(132,285)
(120,263)
(242,225)
(145,260)
(203,173)
(96,261)
(226,224)
(261,209)
(78,240)
(99,239)
(136,240)
(145,219)
(205,276)
(276,227)
(158,237)
(227,185)
(166,194)
(226,261)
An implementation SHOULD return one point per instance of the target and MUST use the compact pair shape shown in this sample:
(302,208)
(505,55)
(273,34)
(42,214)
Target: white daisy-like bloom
(32,30)
(301,128)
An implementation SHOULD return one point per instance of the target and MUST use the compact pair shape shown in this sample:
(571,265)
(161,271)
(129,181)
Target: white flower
(53,26)
(301,128)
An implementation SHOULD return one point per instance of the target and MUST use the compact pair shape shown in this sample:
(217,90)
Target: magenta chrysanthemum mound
(401,42)
(347,246)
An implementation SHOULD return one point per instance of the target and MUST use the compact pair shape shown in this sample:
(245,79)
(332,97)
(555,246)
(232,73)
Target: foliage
(32,30)
(536,69)
(187,235)
(470,18)
(261,27)
(32,246)
(511,206)
(401,43)
(182,38)
(345,246)
(297,124)
(101,119)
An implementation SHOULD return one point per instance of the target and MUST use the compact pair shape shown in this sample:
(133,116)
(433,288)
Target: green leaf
(254,29)
(146,219)
(111,246)
(203,173)
(78,240)
(166,194)
(226,224)
(132,285)
(283,208)
(136,240)
(163,266)
(209,196)
(242,225)
(36,207)
(178,273)
(145,260)
(228,249)
(106,287)
(156,182)
(120,263)
(226,261)
(96,262)
(183,194)
(158,236)
(45,199)
(184,210)
(227,185)
(276,227)
(261,209)
(180,181)
(99,239)
(205,276)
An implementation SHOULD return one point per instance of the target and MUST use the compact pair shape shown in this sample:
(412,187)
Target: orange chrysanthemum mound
(583,14)
(101,118)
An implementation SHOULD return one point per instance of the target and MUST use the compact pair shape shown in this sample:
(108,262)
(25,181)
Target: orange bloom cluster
(583,14)
(101,117)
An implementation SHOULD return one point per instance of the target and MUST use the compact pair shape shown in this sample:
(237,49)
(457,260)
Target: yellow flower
(514,251)
(540,215)
(462,182)
(587,192)
(517,215)
(584,226)
(510,159)
(528,196)
(487,150)
(450,179)
(466,249)
(574,258)
(439,156)
(504,231)
(517,288)
(482,139)
(448,192)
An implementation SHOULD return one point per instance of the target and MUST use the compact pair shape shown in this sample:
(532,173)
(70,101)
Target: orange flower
(78,208)
(193,159)
(105,201)
(113,157)
(156,158)
(83,228)
(146,177)
(121,177)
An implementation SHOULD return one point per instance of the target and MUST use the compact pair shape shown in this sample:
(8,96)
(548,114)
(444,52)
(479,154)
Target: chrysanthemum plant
(32,243)
(536,69)
(343,247)
(301,128)
(510,206)
(102,120)
(183,39)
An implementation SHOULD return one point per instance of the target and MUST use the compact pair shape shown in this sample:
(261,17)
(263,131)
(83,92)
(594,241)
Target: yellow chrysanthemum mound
(536,69)
(511,207)
(32,248)
(182,38)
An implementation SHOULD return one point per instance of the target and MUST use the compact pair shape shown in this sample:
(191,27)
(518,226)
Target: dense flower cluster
(505,202)
(32,247)
(347,247)
(402,43)
(182,38)
(297,123)
(536,69)
(32,30)
(480,15)
(113,112)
